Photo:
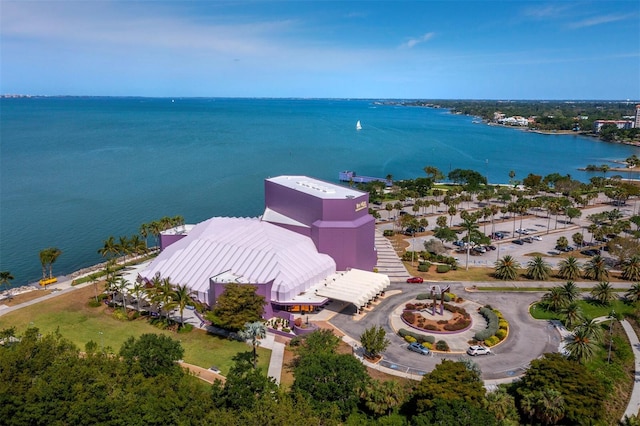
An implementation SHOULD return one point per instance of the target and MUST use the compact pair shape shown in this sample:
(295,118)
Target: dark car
(491,247)
(528,240)
(590,252)
(519,242)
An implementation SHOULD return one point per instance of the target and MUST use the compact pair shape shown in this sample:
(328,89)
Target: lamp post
(101,341)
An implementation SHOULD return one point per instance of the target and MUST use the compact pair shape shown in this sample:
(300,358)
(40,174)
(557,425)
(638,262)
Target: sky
(582,50)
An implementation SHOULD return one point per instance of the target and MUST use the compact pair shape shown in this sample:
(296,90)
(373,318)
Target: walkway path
(634,401)
(388,261)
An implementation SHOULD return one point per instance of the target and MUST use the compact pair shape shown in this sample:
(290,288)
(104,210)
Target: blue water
(74,171)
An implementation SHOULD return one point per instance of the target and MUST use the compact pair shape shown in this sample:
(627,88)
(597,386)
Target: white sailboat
(358,125)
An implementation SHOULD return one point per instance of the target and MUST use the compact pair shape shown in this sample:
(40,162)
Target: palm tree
(109,249)
(507,268)
(581,346)
(45,258)
(182,297)
(382,397)
(592,328)
(538,269)
(633,294)
(122,285)
(569,269)
(6,278)
(137,290)
(570,291)
(596,269)
(631,268)
(452,212)
(93,278)
(603,293)
(254,331)
(124,248)
(572,315)
(54,253)
(555,299)
(546,406)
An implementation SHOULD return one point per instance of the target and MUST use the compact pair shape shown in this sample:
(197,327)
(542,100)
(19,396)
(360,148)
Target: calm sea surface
(74,171)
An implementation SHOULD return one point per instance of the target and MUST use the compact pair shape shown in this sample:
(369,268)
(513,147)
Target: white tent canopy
(354,286)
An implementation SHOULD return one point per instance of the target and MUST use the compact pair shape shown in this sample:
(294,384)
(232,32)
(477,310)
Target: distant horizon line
(18,96)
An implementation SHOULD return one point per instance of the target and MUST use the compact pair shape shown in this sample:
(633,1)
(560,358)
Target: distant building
(637,120)
(620,124)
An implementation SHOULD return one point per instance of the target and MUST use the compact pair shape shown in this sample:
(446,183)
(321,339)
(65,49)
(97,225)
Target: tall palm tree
(122,285)
(144,232)
(45,258)
(569,269)
(6,278)
(631,268)
(507,268)
(633,294)
(572,315)
(124,247)
(54,254)
(555,299)
(596,269)
(581,346)
(254,331)
(109,248)
(182,297)
(538,269)
(138,246)
(570,291)
(603,293)
(137,290)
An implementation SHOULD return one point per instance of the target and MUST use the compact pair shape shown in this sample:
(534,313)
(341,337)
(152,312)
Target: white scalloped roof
(247,248)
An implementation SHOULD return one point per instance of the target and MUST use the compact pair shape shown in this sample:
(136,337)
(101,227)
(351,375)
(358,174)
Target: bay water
(74,171)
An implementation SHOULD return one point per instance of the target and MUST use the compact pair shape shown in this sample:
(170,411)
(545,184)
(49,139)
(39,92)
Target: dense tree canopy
(236,306)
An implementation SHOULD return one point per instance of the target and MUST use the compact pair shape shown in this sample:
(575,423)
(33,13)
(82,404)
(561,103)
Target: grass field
(70,314)
(589,310)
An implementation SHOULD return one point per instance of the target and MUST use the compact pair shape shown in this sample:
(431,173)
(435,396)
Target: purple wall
(167,239)
(341,228)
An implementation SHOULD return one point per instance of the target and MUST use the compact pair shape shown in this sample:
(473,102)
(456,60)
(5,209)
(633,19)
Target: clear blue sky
(328,49)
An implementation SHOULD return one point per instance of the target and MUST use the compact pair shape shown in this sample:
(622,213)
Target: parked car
(537,237)
(415,280)
(480,249)
(590,252)
(491,247)
(417,347)
(478,350)
(518,242)
(528,240)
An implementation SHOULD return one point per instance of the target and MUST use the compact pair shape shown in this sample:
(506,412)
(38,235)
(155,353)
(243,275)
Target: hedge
(423,296)
(388,233)
(501,334)
(424,266)
(420,338)
(441,269)
(491,341)
(409,339)
(492,324)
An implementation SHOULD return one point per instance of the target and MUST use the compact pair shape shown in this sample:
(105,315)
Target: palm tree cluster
(123,247)
(162,295)
(48,257)
(155,227)
(594,269)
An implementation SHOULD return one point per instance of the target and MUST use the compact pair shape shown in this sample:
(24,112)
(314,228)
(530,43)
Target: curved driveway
(528,338)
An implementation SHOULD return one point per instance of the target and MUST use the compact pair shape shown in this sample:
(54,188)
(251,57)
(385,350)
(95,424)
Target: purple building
(335,217)
(314,242)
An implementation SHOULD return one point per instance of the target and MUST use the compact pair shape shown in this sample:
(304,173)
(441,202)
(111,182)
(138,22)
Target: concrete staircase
(388,261)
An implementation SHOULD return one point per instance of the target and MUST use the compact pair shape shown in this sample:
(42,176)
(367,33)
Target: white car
(537,237)
(478,350)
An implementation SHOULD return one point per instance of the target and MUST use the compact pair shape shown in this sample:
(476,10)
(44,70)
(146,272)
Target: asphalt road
(528,338)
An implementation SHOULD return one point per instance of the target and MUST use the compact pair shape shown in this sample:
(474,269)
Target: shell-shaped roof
(257,251)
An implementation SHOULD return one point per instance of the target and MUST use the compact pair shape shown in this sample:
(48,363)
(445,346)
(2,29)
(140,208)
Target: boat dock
(349,176)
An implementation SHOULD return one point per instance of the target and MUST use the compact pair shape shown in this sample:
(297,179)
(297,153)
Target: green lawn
(589,310)
(70,314)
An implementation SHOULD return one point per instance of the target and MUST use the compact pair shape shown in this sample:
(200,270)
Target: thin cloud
(599,20)
(546,12)
(415,41)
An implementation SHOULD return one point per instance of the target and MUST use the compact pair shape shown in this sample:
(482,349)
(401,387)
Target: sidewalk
(634,401)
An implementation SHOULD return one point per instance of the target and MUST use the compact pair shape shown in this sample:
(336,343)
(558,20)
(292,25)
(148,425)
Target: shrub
(458,325)
(504,324)
(410,306)
(420,338)
(446,297)
(491,341)
(424,266)
(185,328)
(442,346)
(295,341)
(441,269)
(410,339)
(409,316)
(427,345)
(492,324)
(501,334)
(297,322)
(93,303)
(423,296)
(286,329)
(388,233)
(430,327)
(120,315)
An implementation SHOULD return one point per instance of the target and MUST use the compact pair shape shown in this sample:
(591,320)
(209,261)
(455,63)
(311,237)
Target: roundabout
(528,338)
